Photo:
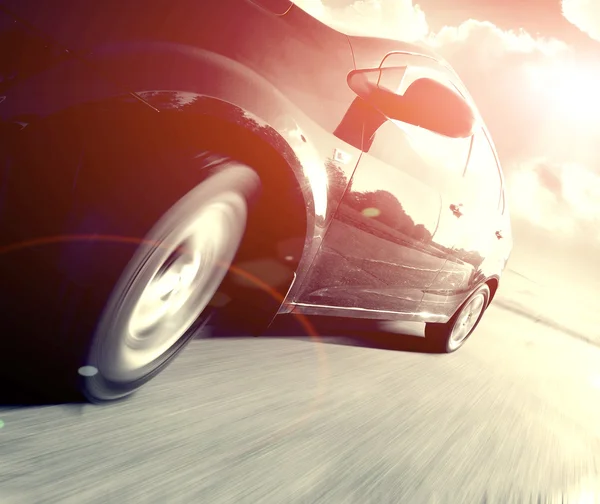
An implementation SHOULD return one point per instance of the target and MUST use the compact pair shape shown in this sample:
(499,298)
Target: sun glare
(572,89)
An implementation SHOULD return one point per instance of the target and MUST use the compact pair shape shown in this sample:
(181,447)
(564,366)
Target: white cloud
(563,198)
(495,41)
(584,14)
(383,18)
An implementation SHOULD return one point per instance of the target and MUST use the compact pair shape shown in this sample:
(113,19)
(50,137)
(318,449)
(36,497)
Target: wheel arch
(235,133)
(493,283)
(187,87)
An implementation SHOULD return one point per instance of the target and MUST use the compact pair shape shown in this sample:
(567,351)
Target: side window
(451,153)
(482,176)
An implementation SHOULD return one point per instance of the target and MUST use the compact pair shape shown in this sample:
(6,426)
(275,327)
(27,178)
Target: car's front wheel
(449,337)
(132,274)
(162,297)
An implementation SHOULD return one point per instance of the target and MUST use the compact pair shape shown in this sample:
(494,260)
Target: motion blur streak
(511,419)
(309,330)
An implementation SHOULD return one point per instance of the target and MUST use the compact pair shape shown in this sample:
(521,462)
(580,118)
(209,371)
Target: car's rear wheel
(449,337)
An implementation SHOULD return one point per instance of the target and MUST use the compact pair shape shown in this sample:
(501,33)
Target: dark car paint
(283,75)
(131,63)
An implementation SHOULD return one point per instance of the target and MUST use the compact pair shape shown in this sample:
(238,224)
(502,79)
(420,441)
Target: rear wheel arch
(447,337)
(493,284)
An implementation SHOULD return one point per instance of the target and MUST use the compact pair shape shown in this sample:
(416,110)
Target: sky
(533,67)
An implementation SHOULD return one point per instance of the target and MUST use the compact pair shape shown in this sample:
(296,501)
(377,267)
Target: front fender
(173,77)
(145,68)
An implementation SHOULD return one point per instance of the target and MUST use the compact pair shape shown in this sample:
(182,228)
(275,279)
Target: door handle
(499,235)
(456,210)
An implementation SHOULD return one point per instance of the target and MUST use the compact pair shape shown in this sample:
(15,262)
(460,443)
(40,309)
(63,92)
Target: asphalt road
(512,417)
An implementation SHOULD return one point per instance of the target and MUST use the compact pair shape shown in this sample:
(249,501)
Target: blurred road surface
(512,417)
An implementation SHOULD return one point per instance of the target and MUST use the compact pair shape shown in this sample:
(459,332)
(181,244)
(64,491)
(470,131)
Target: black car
(170,165)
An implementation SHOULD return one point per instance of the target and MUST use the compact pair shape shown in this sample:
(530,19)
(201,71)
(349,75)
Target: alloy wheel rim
(467,320)
(178,278)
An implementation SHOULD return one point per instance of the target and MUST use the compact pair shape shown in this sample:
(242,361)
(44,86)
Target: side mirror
(426,103)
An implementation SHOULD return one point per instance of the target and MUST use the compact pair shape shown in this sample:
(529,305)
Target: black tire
(59,330)
(440,338)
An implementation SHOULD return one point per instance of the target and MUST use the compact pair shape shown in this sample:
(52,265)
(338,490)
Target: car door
(379,253)
(476,233)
